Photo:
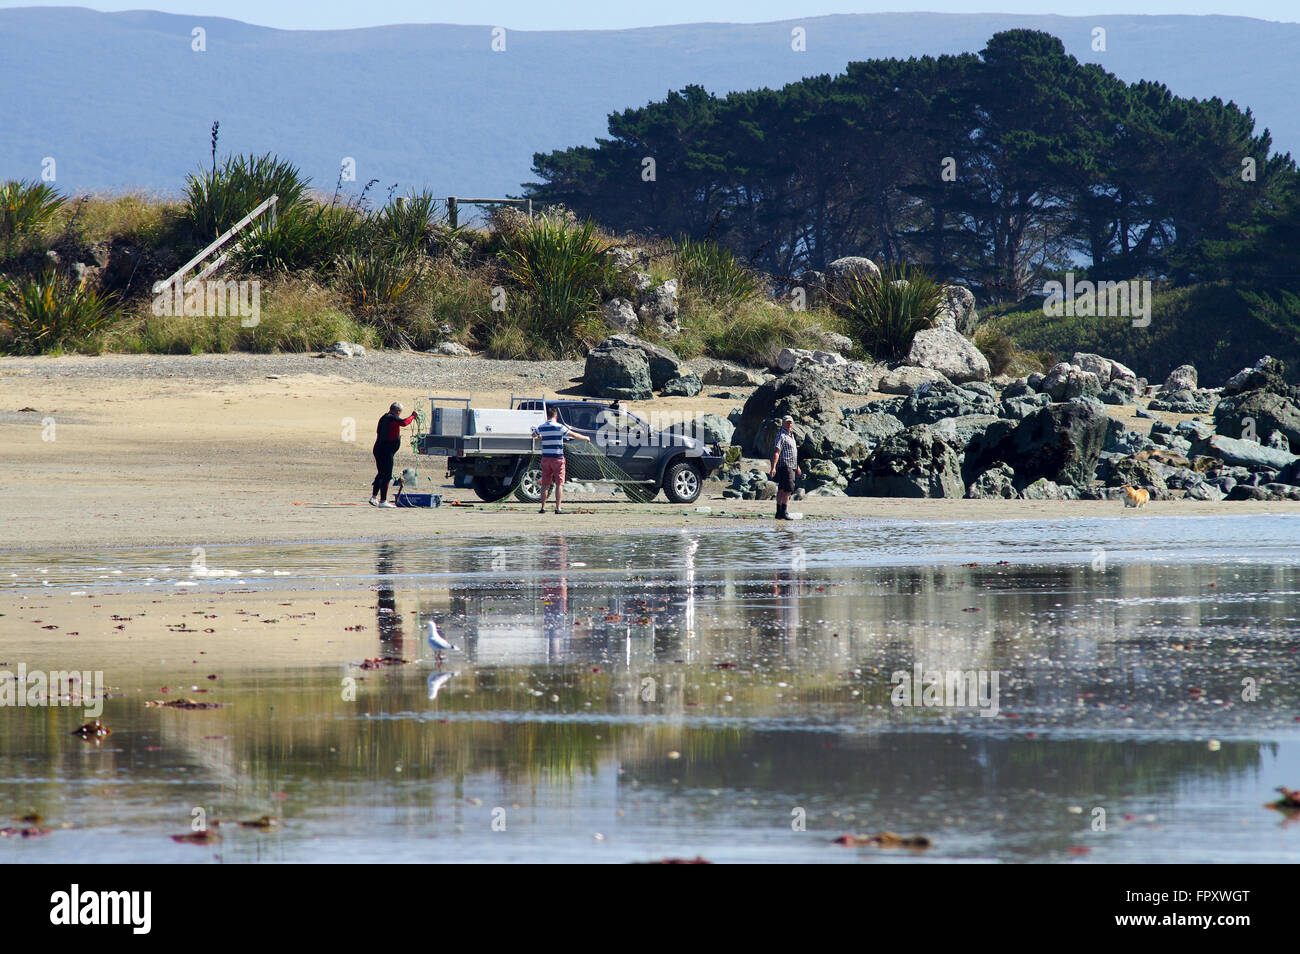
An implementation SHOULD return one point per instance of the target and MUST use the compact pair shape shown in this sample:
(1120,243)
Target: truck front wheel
(682,482)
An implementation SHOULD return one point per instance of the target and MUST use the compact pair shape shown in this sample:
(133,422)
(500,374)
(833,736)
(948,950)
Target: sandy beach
(188,451)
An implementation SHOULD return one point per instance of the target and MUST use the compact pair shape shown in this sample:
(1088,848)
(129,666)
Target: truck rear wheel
(682,483)
(490,489)
(530,485)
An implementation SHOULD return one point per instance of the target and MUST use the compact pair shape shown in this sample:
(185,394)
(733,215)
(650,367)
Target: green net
(586,467)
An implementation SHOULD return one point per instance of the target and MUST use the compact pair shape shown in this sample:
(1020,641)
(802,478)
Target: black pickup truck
(644,460)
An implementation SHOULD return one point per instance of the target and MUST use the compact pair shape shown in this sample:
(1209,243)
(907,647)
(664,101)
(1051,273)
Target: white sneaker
(388,503)
(374,501)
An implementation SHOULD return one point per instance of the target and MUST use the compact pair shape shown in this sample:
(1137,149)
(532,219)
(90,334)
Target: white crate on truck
(494,421)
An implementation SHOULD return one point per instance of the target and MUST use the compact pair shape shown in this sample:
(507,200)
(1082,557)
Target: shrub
(218,198)
(711,272)
(561,268)
(26,207)
(997,348)
(382,290)
(305,237)
(409,224)
(52,312)
(752,334)
(885,313)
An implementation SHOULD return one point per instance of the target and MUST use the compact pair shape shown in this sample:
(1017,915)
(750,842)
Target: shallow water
(644,695)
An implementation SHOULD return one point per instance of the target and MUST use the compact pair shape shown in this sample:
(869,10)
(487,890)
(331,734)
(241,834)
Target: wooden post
(451,210)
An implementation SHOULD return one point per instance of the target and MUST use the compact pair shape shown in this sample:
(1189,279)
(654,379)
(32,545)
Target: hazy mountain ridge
(120,100)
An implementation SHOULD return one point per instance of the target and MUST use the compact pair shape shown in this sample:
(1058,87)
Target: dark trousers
(384,451)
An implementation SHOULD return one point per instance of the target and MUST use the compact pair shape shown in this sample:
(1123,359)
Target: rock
(685,384)
(707,428)
(620,315)
(1277,440)
(853,377)
(905,380)
(1061,442)
(957,432)
(664,364)
(616,371)
(1193,485)
(453,348)
(998,482)
(1125,442)
(344,349)
(1249,414)
(1181,378)
(1184,402)
(729,375)
(1043,489)
(957,310)
(1115,396)
(932,402)
(1242,453)
(912,463)
(1067,381)
(873,426)
(839,270)
(626,258)
(1265,375)
(833,341)
(819,429)
(659,307)
(946,351)
(1021,407)
(789,358)
(1094,364)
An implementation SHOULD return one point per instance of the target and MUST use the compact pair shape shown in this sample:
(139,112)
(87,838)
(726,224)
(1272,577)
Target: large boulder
(1265,375)
(1061,442)
(1254,414)
(730,375)
(789,358)
(998,482)
(659,308)
(1134,472)
(949,353)
(1241,453)
(1068,381)
(686,384)
(1181,378)
(872,426)
(934,401)
(1184,402)
(912,463)
(905,380)
(710,428)
(617,372)
(838,271)
(958,432)
(957,310)
(620,315)
(663,362)
(819,430)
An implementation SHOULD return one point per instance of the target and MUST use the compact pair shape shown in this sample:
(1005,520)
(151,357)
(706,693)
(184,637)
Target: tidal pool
(729,691)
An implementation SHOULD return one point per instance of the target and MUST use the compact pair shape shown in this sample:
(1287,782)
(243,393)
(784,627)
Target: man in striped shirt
(785,465)
(553,435)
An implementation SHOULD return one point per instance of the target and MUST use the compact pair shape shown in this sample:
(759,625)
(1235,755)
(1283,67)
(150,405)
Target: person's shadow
(389,620)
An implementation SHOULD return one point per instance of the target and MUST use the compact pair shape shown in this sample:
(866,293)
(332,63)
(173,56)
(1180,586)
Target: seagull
(435,639)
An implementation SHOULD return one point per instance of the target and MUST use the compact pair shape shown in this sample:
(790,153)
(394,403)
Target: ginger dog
(1134,497)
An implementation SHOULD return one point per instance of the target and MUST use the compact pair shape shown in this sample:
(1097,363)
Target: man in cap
(785,466)
(388,437)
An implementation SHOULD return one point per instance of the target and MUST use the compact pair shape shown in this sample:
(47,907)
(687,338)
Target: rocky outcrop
(818,429)
(1061,442)
(664,365)
(1181,378)
(957,310)
(905,380)
(949,353)
(998,482)
(620,315)
(1265,375)
(834,278)
(1254,414)
(912,463)
(617,371)
(1066,381)
(686,384)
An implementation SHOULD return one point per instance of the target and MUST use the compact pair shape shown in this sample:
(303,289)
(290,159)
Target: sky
(606,15)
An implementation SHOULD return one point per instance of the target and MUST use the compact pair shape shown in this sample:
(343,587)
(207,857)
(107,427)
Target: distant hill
(120,100)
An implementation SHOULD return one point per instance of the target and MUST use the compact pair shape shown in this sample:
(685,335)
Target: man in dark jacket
(388,437)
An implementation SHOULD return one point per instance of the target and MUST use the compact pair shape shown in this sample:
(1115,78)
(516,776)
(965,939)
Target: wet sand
(144,456)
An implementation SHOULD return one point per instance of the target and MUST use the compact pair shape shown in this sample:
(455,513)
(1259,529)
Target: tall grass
(561,269)
(752,333)
(383,290)
(409,224)
(51,313)
(305,236)
(712,273)
(26,207)
(885,312)
(216,199)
